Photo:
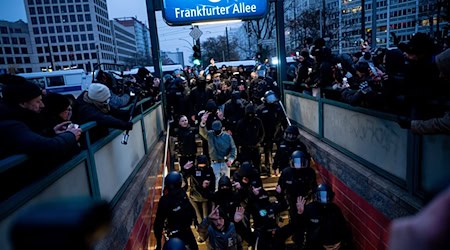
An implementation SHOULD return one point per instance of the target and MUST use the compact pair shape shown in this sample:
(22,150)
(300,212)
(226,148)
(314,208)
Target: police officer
(175,213)
(286,147)
(249,135)
(201,185)
(273,118)
(265,216)
(320,224)
(297,180)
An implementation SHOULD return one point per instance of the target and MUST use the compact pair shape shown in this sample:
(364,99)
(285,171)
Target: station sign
(184,12)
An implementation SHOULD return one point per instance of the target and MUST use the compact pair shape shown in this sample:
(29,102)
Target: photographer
(93,105)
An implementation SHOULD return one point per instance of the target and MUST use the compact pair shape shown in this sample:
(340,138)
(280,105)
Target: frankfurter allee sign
(182,12)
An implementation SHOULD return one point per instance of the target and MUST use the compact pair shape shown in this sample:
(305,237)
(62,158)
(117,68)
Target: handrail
(166,153)
(20,198)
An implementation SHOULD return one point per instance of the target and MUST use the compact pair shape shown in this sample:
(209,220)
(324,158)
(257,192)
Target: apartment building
(15,48)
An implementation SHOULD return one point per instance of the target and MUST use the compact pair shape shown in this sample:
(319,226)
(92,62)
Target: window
(62,48)
(63,58)
(18,60)
(37,40)
(83,37)
(2,60)
(55,9)
(82,27)
(73,18)
(85,46)
(41,59)
(79,57)
(79,8)
(1,50)
(24,50)
(14,40)
(86,56)
(91,37)
(44,30)
(57,19)
(65,19)
(55,80)
(67,28)
(49,19)
(45,39)
(71,9)
(87,17)
(86,7)
(55,48)
(76,38)
(16,51)
(56,58)
(5,40)
(30,2)
(63,9)
(28,70)
(8,51)
(51,30)
(80,18)
(89,27)
(77,47)
(68,38)
(59,29)
(42,20)
(10,60)
(36,30)
(48,10)
(40,10)
(92,46)
(33,20)
(93,55)
(32,11)
(22,40)
(60,39)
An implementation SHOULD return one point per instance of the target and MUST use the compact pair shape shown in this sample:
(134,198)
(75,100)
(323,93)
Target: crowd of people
(239,119)
(410,80)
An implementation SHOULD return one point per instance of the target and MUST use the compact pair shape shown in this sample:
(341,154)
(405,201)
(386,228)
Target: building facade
(124,44)
(141,34)
(69,33)
(15,48)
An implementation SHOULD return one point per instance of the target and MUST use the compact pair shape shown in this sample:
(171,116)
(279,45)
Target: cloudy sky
(170,38)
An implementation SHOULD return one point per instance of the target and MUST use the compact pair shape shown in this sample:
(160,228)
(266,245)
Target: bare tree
(263,28)
(216,47)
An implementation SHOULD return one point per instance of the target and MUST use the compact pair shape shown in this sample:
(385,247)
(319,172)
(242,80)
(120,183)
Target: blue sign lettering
(182,12)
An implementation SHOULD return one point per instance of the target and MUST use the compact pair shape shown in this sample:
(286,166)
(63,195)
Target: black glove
(365,88)
(404,122)
(129,126)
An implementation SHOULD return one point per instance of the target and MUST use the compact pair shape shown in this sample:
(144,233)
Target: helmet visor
(322,196)
(271,98)
(300,163)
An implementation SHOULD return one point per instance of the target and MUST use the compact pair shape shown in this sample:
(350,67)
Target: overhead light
(218,22)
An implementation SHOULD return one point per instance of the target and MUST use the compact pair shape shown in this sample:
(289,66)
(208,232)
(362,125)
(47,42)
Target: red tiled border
(369,226)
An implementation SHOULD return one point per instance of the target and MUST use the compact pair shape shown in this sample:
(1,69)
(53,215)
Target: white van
(64,82)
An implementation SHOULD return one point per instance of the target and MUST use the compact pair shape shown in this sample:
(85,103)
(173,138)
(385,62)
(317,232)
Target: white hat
(98,92)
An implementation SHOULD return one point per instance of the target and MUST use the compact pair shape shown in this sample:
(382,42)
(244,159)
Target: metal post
(374,24)
(281,45)
(363,19)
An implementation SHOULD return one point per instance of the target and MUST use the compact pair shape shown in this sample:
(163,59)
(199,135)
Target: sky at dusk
(171,38)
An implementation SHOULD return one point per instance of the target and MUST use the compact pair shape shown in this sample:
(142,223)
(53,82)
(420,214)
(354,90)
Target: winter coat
(227,239)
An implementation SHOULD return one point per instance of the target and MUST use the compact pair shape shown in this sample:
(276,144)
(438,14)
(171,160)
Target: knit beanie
(98,92)
(56,103)
(20,90)
(443,63)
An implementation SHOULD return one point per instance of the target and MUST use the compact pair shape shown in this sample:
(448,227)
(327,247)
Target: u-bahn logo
(214,1)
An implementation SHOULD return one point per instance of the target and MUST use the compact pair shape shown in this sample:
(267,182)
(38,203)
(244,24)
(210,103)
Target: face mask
(217,132)
(250,115)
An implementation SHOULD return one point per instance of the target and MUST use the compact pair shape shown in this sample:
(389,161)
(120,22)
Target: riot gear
(173,181)
(324,194)
(202,160)
(270,97)
(291,133)
(299,159)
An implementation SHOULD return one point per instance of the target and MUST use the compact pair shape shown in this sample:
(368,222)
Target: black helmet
(202,159)
(291,133)
(324,194)
(174,244)
(270,97)
(246,169)
(299,159)
(173,181)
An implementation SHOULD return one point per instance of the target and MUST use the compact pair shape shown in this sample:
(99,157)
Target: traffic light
(197,57)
